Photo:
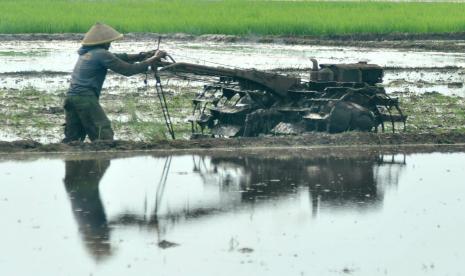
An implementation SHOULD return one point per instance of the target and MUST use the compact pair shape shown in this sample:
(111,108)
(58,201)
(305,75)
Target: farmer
(84,115)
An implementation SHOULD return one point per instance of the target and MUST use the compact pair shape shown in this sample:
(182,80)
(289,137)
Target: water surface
(46,65)
(233,213)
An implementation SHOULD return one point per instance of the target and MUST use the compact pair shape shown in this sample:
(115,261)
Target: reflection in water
(227,183)
(82,184)
(332,181)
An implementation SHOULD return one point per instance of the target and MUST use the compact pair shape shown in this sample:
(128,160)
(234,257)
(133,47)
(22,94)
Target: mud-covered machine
(243,102)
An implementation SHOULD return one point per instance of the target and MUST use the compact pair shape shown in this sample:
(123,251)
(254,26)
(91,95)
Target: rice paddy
(237,17)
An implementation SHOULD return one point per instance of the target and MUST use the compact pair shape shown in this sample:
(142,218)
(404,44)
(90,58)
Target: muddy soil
(435,41)
(350,139)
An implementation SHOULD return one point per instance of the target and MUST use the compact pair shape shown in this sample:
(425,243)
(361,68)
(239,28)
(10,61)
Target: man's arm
(131,58)
(121,65)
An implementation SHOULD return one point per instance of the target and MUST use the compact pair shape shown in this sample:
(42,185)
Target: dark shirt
(92,66)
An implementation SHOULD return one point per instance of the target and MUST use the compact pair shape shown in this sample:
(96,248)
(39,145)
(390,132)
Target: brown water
(233,213)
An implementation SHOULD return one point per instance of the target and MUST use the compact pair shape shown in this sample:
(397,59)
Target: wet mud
(432,41)
(349,139)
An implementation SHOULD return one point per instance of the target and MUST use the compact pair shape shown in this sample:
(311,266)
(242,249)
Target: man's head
(100,34)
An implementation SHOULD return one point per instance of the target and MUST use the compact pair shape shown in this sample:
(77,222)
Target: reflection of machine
(231,177)
(334,181)
(226,182)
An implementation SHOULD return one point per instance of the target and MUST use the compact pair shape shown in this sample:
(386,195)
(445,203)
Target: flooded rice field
(46,65)
(256,212)
(35,74)
(285,212)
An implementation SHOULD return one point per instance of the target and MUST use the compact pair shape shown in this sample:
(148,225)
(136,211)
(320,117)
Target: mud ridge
(34,73)
(259,38)
(308,140)
(429,41)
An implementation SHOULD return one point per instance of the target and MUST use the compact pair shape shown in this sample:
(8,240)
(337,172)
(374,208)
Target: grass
(237,17)
(144,119)
(28,114)
(32,114)
(434,112)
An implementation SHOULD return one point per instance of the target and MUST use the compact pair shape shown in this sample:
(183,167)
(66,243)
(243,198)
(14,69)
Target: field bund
(236,17)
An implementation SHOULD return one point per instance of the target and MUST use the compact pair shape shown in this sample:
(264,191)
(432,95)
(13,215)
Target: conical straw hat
(100,34)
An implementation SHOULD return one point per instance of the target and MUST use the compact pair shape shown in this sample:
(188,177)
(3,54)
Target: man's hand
(156,58)
(160,54)
(149,54)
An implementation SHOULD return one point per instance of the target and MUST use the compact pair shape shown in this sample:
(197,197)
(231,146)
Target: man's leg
(95,121)
(74,131)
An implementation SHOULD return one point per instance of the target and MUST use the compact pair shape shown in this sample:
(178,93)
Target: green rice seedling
(238,17)
(433,112)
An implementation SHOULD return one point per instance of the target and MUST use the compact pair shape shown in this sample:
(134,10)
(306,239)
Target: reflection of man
(84,115)
(82,179)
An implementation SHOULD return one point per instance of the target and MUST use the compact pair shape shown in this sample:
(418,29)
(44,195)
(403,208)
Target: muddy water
(61,55)
(29,59)
(233,214)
